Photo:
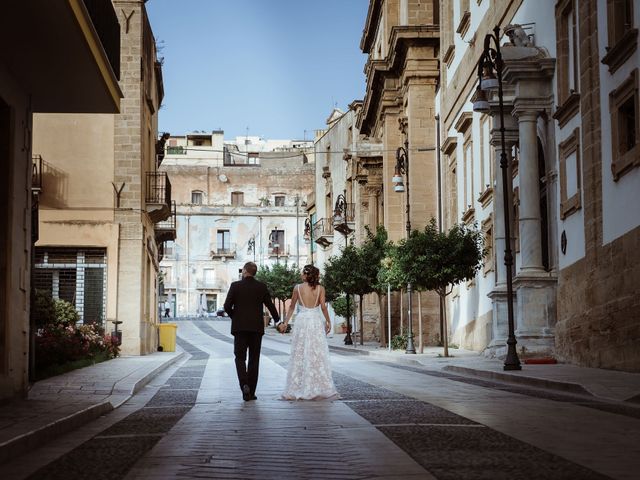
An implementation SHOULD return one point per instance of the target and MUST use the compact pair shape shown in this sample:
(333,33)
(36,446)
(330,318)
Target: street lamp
(490,62)
(402,167)
(340,224)
(251,247)
(308,235)
(275,246)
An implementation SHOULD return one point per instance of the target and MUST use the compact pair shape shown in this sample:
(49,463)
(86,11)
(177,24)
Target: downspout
(440,214)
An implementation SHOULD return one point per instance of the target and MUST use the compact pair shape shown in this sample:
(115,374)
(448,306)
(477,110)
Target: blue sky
(275,66)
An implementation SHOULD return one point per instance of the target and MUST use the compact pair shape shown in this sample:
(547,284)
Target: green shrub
(43,309)
(399,342)
(66,314)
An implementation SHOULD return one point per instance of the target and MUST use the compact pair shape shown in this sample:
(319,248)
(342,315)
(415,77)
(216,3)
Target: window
(465,18)
(464,126)
(486,162)
(237,199)
(279,200)
(568,62)
(487,230)
(276,242)
(208,277)
(196,197)
(449,149)
(622,37)
(252,158)
(223,241)
(625,126)
(570,181)
(168,249)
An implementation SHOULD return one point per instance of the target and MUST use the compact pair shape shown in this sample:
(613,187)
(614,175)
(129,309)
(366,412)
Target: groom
(244,306)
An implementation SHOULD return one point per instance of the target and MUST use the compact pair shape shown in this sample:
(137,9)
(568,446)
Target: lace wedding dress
(309,375)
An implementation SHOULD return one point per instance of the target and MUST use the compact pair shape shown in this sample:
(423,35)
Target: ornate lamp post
(340,224)
(490,62)
(251,247)
(308,235)
(402,168)
(275,245)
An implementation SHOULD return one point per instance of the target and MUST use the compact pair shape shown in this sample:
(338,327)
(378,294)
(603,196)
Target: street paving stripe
(609,407)
(437,442)
(111,454)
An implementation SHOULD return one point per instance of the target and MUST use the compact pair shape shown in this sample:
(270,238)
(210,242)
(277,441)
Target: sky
(276,67)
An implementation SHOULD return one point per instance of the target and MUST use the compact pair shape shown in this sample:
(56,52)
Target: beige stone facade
(71,66)
(103,198)
(236,201)
(402,38)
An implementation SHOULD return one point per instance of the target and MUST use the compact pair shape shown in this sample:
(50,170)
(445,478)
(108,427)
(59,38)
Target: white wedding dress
(309,374)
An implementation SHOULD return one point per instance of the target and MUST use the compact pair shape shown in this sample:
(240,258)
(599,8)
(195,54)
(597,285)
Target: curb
(35,438)
(121,393)
(570,387)
(31,440)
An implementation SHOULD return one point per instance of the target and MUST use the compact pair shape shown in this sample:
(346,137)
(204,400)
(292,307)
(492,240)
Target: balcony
(36,190)
(278,251)
(158,196)
(345,224)
(323,232)
(176,150)
(223,252)
(165,231)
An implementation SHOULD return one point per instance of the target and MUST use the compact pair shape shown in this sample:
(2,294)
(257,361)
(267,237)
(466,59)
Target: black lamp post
(275,245)
(490,62)
(308,235)
(251,247)
(340,224)
(402,167)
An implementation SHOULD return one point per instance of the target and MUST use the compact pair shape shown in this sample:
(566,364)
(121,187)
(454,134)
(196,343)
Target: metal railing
(322,228)
(166,229)
(176,150)
(228,250)
(158,188)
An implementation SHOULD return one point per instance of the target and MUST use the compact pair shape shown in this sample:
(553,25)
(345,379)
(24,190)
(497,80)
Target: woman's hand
(327,327)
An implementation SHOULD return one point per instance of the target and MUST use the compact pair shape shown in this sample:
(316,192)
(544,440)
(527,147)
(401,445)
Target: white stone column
(498,293)
(530,218)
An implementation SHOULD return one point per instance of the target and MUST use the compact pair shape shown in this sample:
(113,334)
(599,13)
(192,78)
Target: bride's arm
(325,311)
(292,306)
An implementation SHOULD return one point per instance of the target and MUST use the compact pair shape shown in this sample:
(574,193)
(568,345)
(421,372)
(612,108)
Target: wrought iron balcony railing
(224,251)
(165,230)
(323,232)
(36,175)
(158,196)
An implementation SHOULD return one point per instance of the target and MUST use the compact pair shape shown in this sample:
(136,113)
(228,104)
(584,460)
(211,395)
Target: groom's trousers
(247,373)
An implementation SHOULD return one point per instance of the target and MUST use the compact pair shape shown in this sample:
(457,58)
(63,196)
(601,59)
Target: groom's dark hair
(251,268)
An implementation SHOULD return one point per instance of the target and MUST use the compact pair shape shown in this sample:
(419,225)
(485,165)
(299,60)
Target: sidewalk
(609,385)
(60,404)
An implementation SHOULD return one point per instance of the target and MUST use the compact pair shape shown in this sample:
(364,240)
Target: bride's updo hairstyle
(312,275)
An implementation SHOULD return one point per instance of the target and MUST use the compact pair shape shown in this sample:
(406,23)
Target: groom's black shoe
(246,393)
(253,397)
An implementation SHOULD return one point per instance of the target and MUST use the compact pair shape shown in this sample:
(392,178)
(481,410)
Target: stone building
(70,66)
(104,205)
(340,150)
(402,38)
(572,132)
(236,201)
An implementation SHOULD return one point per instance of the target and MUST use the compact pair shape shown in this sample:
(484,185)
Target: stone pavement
(599,383)
(60,404)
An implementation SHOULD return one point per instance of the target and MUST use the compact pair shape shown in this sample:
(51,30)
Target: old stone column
(498,293)
(530,218)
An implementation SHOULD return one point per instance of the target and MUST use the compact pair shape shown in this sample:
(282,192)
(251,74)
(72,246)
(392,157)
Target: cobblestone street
(392,421)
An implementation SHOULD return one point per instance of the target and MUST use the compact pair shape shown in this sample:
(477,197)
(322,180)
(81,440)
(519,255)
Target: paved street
(392,421)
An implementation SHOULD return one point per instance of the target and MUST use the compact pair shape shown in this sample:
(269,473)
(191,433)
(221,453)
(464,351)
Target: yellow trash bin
(168,336)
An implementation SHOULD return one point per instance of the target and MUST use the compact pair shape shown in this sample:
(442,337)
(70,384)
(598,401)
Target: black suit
(244,305)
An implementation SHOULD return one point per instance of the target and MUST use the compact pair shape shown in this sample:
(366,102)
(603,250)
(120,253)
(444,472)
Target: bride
(309,374)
